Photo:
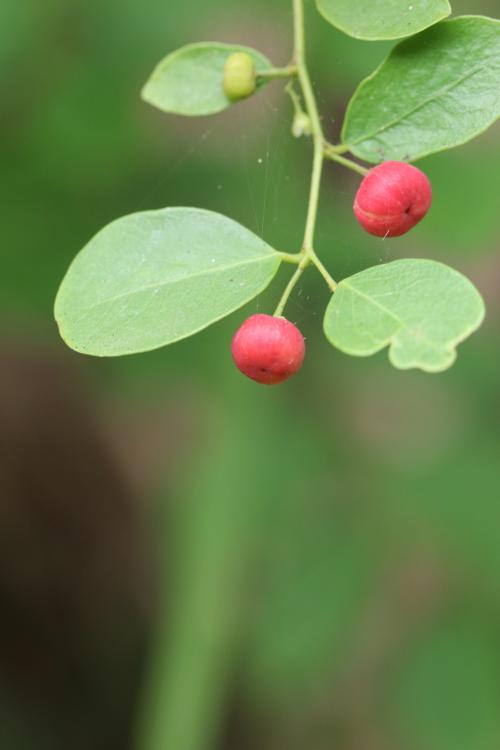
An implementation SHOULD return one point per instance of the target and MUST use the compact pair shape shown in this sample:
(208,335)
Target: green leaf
(383,19)
(420,308)
(435,91)
(156,277)
(190,80)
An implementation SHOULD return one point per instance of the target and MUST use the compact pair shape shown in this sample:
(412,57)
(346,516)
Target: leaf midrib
(163,284)
(441,92)
(402,323)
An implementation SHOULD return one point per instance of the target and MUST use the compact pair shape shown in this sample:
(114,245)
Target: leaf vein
(206,272)
(442,91)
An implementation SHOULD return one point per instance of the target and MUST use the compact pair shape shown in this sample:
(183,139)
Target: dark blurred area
(189,561)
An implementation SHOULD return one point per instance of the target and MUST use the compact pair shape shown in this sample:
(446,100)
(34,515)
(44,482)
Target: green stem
(312,211)
(291,285)
(307,254)
(297,104)
(337,148)
(318,141)
(287,72)
(294,258)
(332,284)
(335,156)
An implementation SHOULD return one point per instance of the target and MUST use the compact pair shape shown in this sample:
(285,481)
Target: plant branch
(291,257)
(307,254)
(297,104)
(331,153)
(318,140)
(291,285)
(338,148)
(332,284)
(312,211)
(287,72)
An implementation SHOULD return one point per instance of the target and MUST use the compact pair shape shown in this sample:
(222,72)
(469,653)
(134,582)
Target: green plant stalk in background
(211,572)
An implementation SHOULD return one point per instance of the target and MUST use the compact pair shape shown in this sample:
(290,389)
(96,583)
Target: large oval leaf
(383,19)
(190,80)
(435,91)
(155,277)
(420,308)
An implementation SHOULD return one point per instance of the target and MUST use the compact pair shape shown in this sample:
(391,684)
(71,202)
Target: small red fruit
(268,349)
(392,198)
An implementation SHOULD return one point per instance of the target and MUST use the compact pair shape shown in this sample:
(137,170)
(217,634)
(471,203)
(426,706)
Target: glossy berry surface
(268,349)
(393,197)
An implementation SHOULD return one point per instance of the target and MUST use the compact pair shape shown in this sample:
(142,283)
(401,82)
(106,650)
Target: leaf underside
(435,91)
(383,19)
(153,278)
(189,81)
(421,309)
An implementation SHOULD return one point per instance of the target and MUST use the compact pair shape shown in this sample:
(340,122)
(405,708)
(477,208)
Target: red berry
(392,198)
(268,349)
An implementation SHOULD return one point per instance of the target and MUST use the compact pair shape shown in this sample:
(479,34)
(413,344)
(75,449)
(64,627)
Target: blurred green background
(189,561)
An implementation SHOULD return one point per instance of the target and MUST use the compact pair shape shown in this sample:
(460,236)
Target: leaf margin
(362,38)
(379,67)
(260,82)
(452,345)
(85,351)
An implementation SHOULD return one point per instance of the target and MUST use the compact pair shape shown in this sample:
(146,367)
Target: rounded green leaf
(156,277)
(433,92)
(190,81)
(421,309)
(383,19)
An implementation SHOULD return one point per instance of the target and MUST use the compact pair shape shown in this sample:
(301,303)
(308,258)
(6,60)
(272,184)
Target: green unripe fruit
(239,76)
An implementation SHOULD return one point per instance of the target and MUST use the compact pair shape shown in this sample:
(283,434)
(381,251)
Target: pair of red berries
(391,199)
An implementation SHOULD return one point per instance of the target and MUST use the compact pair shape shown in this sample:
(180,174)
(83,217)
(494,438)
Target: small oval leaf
(420,308)
(435,91)
(152,278)
(190,81)
(383,19)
